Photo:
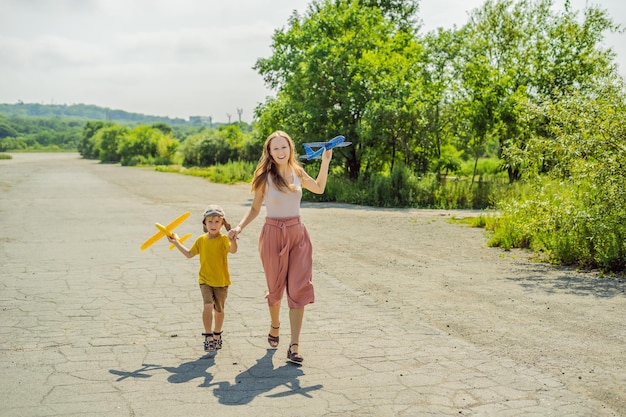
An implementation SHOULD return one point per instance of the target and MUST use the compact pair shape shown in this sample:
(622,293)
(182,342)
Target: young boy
(213,276)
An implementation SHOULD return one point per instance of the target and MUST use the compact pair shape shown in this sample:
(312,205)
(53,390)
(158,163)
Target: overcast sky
(175,58)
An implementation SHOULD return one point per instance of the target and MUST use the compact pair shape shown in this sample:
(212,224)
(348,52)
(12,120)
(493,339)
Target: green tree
(163,127)
(522,51)
(14,144)
(317,69)
(395,116)
(439,79)
(139,146)
(166,149)
(107,140)
(207,148)
(88,146)
(214,148)
(576,213)
(6,130)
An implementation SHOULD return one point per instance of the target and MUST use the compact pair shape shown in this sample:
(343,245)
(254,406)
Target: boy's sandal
(209,344)
(273,340)
(294,357)
(218,342)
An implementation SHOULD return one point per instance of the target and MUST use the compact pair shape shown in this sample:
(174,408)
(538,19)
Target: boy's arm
(174,239)
(233,245)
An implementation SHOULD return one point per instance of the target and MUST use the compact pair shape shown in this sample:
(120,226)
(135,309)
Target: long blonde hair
(267,166)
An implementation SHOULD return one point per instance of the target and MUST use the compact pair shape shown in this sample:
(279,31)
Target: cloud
(163,57)
(139,55)
(48,53)
(198,43)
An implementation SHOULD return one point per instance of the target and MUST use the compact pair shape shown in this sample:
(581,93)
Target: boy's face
(213,224)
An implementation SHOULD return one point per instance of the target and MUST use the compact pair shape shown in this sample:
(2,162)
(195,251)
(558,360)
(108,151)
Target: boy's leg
(219,321)
(219,300)
(207,318)
(219,294)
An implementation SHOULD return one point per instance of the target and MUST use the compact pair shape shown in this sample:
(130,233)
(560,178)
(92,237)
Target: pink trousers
(287,257)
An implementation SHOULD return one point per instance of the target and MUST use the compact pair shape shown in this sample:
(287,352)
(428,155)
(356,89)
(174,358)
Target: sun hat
(214,210)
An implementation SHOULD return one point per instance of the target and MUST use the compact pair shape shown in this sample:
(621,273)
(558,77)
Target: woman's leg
(296,316)
(272,337)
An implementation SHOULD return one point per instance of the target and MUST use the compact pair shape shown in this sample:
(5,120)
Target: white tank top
(279,204)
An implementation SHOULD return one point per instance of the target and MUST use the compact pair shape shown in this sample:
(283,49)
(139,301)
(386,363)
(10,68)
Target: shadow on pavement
(262,378)
(257,380)
(185,372)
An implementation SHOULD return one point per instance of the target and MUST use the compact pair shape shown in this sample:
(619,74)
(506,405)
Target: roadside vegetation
(520,111)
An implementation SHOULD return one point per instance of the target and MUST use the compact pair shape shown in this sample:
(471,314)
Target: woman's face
(279,150)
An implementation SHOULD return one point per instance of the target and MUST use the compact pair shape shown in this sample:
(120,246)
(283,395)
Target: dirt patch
(568,324)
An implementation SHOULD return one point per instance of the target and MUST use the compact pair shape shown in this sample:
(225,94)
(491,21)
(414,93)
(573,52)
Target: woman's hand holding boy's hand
(234,233)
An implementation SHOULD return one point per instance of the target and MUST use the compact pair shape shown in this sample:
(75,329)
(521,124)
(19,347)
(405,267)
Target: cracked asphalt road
(414,315)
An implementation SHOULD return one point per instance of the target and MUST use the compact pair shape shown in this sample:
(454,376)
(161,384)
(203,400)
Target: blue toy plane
(336,142)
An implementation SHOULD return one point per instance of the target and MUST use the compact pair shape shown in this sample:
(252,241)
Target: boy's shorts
(214,295)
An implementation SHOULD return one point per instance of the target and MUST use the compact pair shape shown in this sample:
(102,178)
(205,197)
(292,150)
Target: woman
(284,244)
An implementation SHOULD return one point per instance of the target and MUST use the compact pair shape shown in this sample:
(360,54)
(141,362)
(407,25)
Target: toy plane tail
(310,153)
(181,240)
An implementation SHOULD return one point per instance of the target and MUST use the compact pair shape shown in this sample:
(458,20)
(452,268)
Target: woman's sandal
(218,342)
(209,344)
(294,357)
(273,340)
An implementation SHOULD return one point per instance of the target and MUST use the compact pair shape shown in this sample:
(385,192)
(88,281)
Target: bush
(575,213)
(566,222)
(106,142)
(230,173)
(403,189)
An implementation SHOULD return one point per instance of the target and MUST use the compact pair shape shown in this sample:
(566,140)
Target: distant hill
(89,112)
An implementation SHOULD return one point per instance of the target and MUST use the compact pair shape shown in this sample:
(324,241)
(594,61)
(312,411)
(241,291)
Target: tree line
(162,144)
(83,112)
(523,83)
(363,69)
(39,133)
(521,80)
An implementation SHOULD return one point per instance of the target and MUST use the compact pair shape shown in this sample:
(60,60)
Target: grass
(230,173)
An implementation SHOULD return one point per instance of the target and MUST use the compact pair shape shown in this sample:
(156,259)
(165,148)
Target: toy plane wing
(164,230)
(336,142)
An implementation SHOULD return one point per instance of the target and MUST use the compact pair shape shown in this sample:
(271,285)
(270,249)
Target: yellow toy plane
(167,231)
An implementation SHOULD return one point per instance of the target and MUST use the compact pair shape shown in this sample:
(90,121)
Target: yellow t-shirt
(213,260)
